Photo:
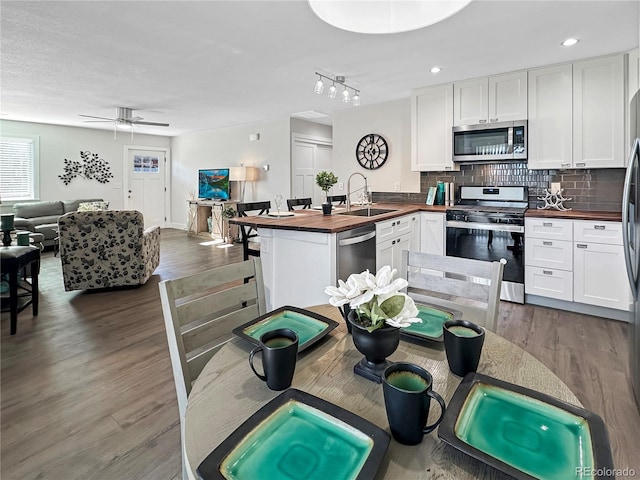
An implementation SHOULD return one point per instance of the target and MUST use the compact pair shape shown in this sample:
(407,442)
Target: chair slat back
(201,310)
(247,232)
(447,281)
(298,202)
(339,199)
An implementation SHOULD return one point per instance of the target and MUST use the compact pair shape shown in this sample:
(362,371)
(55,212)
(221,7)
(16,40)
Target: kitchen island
(299,253)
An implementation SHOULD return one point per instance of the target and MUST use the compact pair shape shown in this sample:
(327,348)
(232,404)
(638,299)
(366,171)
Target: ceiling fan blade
(93,116)
(97,121)
(136,122)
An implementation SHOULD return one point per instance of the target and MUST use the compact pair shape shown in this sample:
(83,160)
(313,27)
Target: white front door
(144,183)
(309,156)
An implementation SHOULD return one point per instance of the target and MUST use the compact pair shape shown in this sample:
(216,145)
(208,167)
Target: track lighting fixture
(333,90)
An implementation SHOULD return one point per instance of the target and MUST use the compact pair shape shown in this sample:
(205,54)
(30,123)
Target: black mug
(407,390)
(463,343)
(279,354)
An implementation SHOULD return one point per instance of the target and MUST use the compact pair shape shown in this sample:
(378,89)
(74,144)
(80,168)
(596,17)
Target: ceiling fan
(124,116)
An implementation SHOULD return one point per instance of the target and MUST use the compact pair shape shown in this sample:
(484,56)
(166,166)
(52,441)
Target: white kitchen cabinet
(431,124)
(599,274)
(550,127)
(392,237)
(633,84)
(548,257)
(598,113)
(499,98)
(633,79)
(389,252)
(432,233)
(576,115)
(416,232)
(576,261)
(548,282)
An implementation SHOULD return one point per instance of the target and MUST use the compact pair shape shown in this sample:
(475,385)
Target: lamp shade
(243,174)
(237,174)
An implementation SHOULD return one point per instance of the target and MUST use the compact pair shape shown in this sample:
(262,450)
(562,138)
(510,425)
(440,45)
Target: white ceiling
(206,65)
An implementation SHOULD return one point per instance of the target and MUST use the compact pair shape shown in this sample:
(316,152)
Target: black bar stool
(13,261)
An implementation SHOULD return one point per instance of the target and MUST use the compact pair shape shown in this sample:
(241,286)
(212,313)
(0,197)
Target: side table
(12,261)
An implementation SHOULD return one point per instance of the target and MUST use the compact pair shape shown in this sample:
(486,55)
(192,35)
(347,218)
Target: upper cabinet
(499,98)
(431,124)
(598,113)
(576,115)
(550,125)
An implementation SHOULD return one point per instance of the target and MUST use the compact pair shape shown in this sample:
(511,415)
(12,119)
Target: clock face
(372,151)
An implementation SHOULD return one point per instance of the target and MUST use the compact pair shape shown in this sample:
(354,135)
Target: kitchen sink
(367,212)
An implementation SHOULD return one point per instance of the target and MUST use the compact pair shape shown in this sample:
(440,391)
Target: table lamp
(6,226)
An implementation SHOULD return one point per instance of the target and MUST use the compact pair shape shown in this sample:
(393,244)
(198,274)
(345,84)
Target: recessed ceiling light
(569,42)
(435,70)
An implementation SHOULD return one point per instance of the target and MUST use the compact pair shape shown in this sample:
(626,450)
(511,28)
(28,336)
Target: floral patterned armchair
(108,248)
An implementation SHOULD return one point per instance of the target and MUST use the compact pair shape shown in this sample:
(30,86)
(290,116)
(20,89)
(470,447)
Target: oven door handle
(496,227)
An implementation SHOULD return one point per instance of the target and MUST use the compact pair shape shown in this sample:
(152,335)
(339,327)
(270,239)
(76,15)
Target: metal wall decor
(90,167)
(554,200)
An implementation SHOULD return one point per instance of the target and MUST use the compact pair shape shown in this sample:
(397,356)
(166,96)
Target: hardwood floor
(87,390)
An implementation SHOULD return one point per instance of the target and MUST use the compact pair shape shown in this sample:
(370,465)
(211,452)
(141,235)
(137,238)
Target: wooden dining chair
(469,286)
(337,199)
(249,235)
(200,311)
(305,203)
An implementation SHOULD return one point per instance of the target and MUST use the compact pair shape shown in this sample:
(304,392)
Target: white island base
(297,266)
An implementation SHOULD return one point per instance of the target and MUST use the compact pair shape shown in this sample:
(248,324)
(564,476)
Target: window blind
(18,167)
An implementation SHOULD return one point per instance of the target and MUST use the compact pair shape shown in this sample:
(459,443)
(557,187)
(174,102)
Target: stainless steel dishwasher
(356,251)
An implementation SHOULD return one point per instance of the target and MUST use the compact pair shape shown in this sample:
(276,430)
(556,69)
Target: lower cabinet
(432,233)
(599,275)
(576,261)
(394,236)
(389,252)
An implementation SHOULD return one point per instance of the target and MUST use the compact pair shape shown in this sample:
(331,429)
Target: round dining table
(227,393)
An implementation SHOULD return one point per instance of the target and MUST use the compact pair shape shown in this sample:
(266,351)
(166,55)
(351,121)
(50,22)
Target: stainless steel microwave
(498,141)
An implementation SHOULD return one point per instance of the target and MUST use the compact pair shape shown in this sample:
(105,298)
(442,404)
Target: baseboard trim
(583,308)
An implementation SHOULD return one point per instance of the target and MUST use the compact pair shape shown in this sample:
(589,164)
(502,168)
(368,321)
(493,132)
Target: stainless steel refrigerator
(631,237)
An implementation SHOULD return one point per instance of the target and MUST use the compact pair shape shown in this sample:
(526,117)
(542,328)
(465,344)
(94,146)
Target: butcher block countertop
(315,221)
(576,215)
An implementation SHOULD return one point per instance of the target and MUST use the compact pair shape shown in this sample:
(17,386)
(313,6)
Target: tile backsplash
(589,189)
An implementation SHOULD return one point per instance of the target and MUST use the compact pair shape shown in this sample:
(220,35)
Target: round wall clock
(372,151)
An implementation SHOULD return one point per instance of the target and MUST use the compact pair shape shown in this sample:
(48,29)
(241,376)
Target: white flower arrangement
(376,298)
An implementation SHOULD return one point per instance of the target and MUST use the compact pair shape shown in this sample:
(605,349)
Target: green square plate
(524,433)
(310,326)
(299,436)
(430,330)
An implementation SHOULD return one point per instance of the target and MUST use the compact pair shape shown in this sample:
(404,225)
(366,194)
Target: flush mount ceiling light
(384,16)
(333,90)
(435,70)
(569,42)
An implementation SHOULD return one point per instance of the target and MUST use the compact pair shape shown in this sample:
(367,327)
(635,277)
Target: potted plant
(228,213)
(325,180)
(378,311)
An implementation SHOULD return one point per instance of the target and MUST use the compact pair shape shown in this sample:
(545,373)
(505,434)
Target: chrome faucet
(366,188)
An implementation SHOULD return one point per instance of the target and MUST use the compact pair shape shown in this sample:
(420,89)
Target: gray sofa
(42,217)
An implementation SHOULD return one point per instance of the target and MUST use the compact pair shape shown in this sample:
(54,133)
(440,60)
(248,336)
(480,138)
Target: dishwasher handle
(358,239)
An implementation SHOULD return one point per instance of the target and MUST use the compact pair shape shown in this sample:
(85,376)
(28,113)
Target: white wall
(60,142)
(392,120)
(227,148)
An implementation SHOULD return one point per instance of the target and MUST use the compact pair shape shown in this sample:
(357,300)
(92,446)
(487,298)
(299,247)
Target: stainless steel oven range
(487,223)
